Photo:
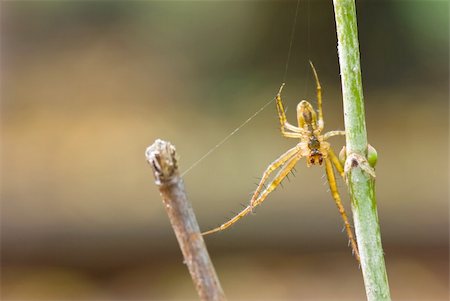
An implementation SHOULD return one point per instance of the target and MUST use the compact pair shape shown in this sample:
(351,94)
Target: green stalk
(360,175)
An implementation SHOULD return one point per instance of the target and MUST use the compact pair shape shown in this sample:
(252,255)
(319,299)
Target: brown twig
(161,156)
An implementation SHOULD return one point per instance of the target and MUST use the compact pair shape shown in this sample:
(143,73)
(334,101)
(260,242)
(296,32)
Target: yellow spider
(313,146)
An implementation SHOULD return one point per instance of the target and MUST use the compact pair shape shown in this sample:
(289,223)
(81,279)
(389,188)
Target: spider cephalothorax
(315,156)
(313,146)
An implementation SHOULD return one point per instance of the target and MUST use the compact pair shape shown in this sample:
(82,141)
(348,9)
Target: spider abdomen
(306,116)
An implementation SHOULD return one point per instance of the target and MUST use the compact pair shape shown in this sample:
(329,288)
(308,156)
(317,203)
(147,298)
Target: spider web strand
(226,138)
(291,42)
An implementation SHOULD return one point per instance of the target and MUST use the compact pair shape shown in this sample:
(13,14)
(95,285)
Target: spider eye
(312,161)
(320,160)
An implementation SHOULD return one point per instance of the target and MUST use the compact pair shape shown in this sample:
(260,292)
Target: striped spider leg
(313,146)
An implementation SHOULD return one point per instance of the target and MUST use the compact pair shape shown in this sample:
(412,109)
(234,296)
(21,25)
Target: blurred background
(87,86)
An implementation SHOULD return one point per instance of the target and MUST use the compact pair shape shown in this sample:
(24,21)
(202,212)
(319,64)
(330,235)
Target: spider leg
(238,216)
(337,199)
(290,134)
(287,129)
(337,164)
(271,168)
(284,171)
(319,97)
(333,133)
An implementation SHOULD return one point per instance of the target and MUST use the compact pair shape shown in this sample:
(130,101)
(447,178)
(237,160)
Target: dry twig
(161,156)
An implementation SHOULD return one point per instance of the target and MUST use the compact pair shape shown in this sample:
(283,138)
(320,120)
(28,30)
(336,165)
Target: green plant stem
(359,179)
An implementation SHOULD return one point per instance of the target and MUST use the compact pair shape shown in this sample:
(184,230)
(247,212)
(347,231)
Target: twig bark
(162,157)
(359,174)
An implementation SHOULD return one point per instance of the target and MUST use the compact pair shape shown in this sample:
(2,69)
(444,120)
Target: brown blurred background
(87,86)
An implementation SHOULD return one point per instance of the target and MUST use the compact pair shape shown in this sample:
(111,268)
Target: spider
(313,146)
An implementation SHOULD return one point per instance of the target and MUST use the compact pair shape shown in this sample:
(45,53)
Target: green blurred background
(87,86)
